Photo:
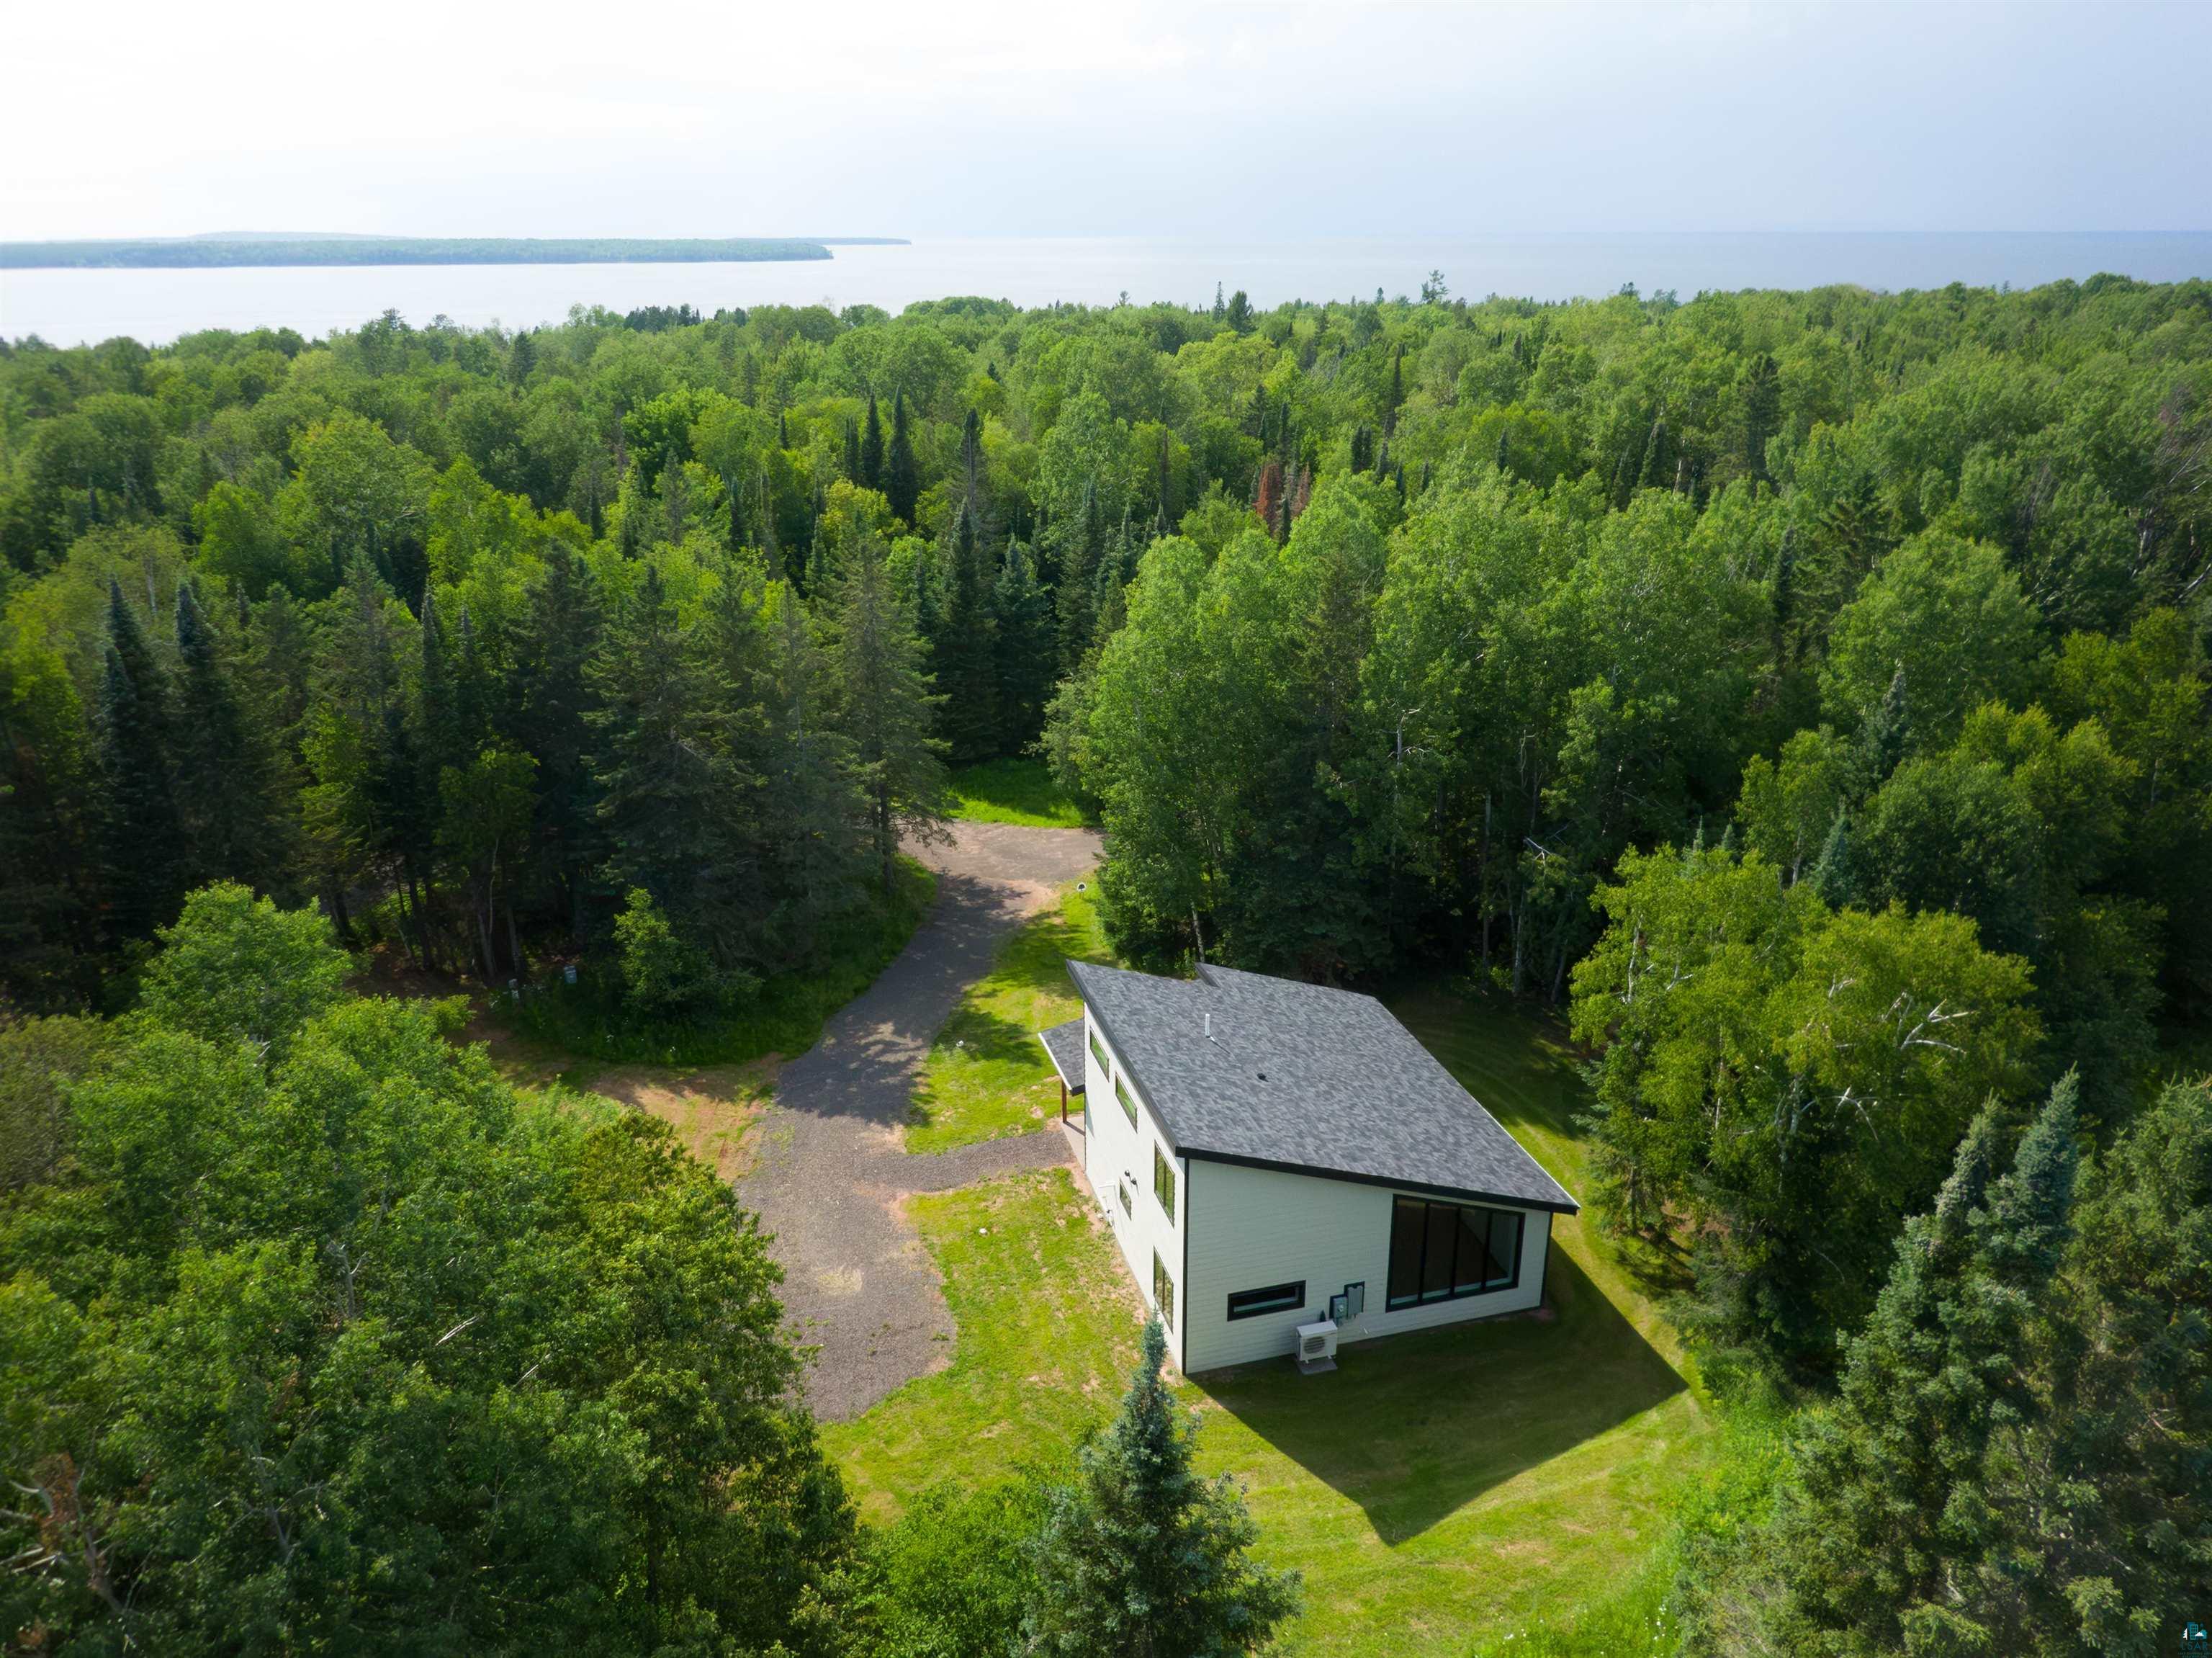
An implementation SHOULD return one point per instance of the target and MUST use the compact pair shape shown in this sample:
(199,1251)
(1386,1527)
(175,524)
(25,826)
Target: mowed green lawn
(987,1075)
(1438,1489)
(1013,791)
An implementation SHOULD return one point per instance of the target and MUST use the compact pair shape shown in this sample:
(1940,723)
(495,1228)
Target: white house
(1272,1153)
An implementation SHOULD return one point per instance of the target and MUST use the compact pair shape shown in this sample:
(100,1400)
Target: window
(1129,1099)
(1125,1186)
(1163,1290)
(1164,1182)
(1098,1053)
(1275,1298)
(1441,1252)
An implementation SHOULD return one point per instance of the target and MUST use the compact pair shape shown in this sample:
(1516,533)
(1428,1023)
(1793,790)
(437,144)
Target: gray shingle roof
(1301,1076)
(1063,1045)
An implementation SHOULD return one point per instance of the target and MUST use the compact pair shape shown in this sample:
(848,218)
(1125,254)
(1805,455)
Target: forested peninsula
(212,252)
(1794,703)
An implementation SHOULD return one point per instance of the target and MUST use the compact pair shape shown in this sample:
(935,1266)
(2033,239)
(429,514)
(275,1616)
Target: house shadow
(1414,1428)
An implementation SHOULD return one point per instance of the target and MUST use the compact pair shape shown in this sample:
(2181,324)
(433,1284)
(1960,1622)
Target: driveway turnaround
(830,1174)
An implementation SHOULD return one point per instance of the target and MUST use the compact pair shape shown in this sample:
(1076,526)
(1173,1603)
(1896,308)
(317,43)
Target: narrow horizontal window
(1275,1298)
(1164,1182)
(1098,1053)
(1129,1099)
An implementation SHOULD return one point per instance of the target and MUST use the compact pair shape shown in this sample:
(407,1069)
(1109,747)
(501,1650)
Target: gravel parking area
(828,1173)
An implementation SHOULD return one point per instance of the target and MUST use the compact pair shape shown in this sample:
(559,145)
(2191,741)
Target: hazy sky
(1249,120)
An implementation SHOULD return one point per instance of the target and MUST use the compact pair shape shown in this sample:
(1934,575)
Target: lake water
(69,307)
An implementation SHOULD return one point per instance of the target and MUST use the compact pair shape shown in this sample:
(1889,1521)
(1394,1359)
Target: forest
(1802,693)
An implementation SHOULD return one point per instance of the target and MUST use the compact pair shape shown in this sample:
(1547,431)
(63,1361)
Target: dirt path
(828,1173)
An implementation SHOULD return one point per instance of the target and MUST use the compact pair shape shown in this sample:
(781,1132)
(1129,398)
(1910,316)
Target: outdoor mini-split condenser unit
(1318,1347)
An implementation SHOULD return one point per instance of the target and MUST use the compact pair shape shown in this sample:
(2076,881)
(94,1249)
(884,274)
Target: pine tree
(1024,650)
(1834,874)
(652,754)
(872,449)
(971,464)
(521,357)
(553,725)
(1882,739)
(224,770)
(1082,543)
(1363,448)
(1889,1511)
(1395,398)
(819,854)
(139,832)
(884,707)
(902,477)
(853,452)
(966,653)
(1141,1554)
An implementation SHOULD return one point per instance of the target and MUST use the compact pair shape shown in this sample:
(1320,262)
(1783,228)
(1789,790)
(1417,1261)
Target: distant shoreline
(209,252)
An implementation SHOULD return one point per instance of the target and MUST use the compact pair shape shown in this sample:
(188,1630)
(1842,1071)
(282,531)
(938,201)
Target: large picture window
(1441,1252)
(1164,1182)
(1129,1099)
(1163,1290)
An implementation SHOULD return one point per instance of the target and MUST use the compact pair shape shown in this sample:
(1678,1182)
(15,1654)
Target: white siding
(1252,1227)
(1112,1150)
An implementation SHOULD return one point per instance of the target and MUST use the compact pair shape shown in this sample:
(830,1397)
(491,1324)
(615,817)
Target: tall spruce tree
(140,834)
(872,449)
(966,654)
(1889,1512)
(883,706)
(224,766)
(901,476)
(1082,544)
(1142,1554)
(554,701)
(1024,647)
(654,756)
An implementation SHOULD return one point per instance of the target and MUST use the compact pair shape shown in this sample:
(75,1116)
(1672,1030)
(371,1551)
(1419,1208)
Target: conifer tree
(1142,1554)
(883,706)
(1024,647)
(853,452)
(1883,739)
(555,701)
(223,770)
(1890,1509)
(1082,543)
(966,654)
(872,449)
(140,834)
(902,477)
(819,850)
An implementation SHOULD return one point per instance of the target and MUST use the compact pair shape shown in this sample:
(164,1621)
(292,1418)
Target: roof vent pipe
(1209,1028)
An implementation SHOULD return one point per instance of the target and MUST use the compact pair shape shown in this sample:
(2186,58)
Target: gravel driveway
(827,1182)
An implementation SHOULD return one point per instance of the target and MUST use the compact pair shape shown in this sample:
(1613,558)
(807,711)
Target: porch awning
(1063,1045)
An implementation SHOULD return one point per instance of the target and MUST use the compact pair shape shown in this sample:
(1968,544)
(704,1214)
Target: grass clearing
(784,1016)
(1438,1490)
(1048,1327)
(1013,791)
(987,1076)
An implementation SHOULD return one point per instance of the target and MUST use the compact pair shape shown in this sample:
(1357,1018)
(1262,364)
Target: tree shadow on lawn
(1414,1428)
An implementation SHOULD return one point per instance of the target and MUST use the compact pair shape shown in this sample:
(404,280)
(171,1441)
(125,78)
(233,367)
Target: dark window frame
(1129,1099)
(1164,1291)
(1405,1203)
(1098,1053)
(1164,1183)
(1273,1298)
